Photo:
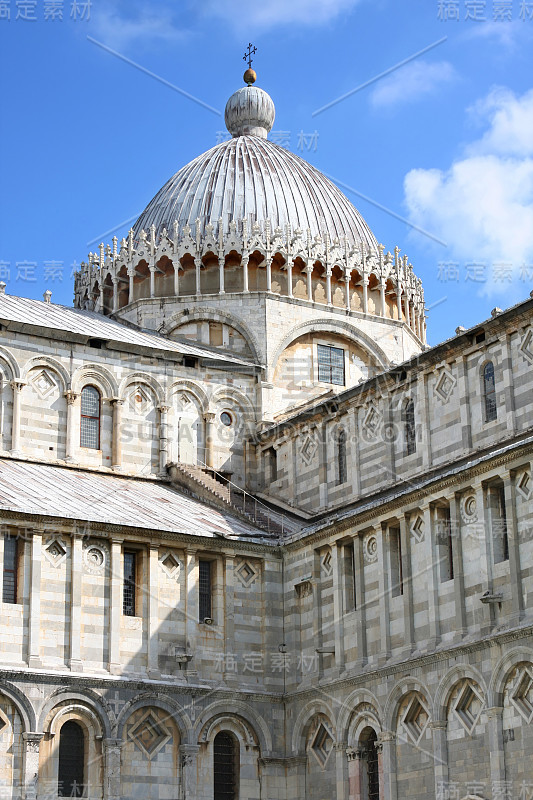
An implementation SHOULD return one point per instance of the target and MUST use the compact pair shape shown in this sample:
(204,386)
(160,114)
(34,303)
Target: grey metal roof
(252,178)
(88,323)
(53,491)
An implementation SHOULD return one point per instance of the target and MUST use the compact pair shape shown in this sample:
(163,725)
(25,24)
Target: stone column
(221,265)
(116,455)
(153,611)
(338,611)
(176,265)
(115,606)
(2,535)
(73,424)
(131,276)
(152,280)
(341,772)
(74,661)
(458,569)
(354,773)
(328,285)
(17,387)
(347,291)
(464,393)
(229,616)
(440,755)
(515,570)
(269,274)
(191,599)
(115,293)
(360,608)
(289,278)
(408,612)
(163,439)
(408,310)
(30,764)
(384,594)
(198,266)
(428,515)
(34,621)
(209,438)
(387,767)
(112,781)
(364,282)
(102,296)
(308,272)
(382,298)
(399,298)
(245,260)
(188,759)
(496,750)
(381,773)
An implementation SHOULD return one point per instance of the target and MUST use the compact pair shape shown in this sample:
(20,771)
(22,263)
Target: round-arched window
(71,774)
(90,418)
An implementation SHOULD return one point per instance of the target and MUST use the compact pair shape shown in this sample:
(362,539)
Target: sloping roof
(87,323)
(54,491)
(252,178)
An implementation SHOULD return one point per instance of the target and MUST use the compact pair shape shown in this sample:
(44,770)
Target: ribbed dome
(251,178)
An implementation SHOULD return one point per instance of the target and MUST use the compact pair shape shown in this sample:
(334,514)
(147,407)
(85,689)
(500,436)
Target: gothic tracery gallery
(259,541)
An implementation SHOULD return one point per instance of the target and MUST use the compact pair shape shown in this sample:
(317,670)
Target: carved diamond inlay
(322,744)
(522,695)
(56,552)
(445,385)
(170,564)
(327,566)
(468,707)
(149,735)
(416,529)
(246,573)
(139,401)
(309,449)
(372,420)
(44,384)
(526,346)
(524,484)
(415,720)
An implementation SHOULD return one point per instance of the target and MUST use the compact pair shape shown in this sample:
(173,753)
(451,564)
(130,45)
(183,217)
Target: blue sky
(444,142)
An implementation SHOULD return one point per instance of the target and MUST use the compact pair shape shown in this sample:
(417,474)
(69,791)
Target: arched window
(370,776)
(71,778)
(341,457)
(489,392)
(90,418)
(410,429)
(225,767)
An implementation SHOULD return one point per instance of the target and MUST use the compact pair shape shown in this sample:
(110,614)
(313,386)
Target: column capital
(71,396)
(439,725)
(17,385)
(210,416)
(353,755)
(494,712)
(386,737)
(32,740)
(118,401)
(163,408)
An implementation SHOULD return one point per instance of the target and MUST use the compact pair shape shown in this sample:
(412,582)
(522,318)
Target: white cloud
(411,82)
(482,206)
(269,13)
(120,28)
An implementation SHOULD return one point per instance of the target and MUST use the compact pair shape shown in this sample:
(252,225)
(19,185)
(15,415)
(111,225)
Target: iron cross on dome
(248,55)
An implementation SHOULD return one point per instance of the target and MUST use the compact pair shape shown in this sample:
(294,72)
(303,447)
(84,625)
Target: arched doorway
(370,764)
(225,767)
(71,775)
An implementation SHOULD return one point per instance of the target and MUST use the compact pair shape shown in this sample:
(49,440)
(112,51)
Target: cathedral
(258,540)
